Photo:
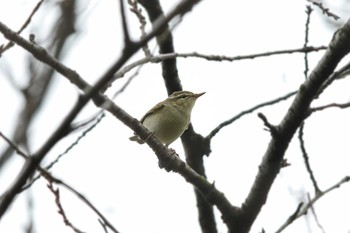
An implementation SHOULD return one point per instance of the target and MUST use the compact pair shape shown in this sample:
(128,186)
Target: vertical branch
(195,145)
(134,8)
(127,40)
(301,128)
(166,45)
(306,40)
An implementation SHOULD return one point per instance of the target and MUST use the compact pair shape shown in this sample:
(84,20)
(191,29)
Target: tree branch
(273,157)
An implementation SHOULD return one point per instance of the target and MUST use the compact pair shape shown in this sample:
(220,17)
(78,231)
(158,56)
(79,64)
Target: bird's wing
(156,108)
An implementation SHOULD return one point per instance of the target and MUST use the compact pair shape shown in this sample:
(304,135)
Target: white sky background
(122,178)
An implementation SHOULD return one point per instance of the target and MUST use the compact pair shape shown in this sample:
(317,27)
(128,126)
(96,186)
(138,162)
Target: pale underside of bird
(168,119)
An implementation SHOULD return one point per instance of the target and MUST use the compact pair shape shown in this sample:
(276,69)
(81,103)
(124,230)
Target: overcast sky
(122,178)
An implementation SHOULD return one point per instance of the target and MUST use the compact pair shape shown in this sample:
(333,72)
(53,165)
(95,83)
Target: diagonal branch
(306,158)
(3,48)
(271,162)
(304,208)
(166,156)
(52,179)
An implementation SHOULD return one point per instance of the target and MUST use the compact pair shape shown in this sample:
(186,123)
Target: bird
(168,119)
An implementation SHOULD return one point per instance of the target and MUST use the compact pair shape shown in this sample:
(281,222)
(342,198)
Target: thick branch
(271,162)
(166,156)
(194,144)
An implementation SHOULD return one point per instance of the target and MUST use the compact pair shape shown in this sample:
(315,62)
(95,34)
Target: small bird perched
(169,118)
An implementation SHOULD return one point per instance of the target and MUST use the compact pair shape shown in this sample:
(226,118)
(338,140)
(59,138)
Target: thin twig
(245,112)
(315,215)
(127,40)
(217,58)
(306,158)
(332,105)
(100,100)
(272,129)
(142,20)
(291,218)
(306,40)
(86,201)
(56,193)
(324,10)
(97,119)
(14,146)
(339,74)
(3,48)
(52,179)
(304,209)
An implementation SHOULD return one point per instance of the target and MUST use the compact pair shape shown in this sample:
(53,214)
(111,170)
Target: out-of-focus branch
(304,208)
(34,94)
(52,180)
(3,48)
(167,158)
(166,45)
(134,8)
(332,105)
(97,120)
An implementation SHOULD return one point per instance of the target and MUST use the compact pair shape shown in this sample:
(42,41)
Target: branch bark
(271,162)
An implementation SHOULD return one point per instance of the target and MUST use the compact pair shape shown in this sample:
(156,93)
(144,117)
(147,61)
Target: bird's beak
(199,94)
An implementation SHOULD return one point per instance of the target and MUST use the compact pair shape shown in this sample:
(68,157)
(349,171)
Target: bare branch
(245,112)
(218,58)
(34,93)
(291,218)
(3,48)
(305,207)
(85,200)
(324,10)
(138,12)
(306,158)
(127,40)
(271,128)
(315,215)
(56,193)
(339,74)
(97,120)
(306,40)
(164,154)
(271,162)
(332,105)
(52,179)
(172,82)
(166,45)
(13,145)
(253,56)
